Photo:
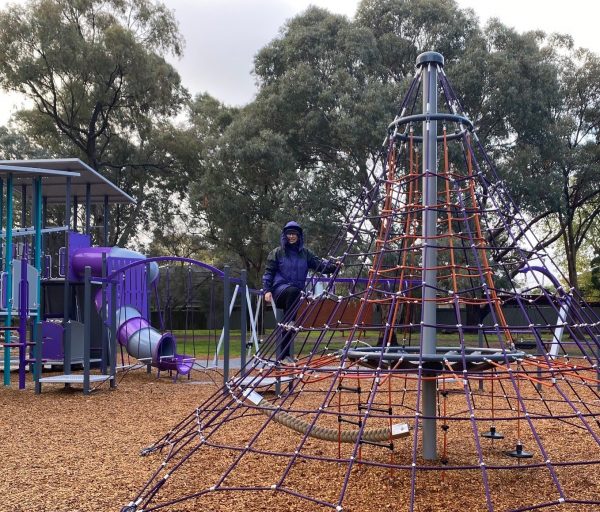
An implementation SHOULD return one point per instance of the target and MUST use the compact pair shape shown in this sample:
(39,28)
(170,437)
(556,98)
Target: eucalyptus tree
(307,142)
(533,97)
(556,176)
(101,89)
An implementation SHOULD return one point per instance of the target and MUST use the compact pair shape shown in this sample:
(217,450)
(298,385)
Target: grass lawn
(202,342)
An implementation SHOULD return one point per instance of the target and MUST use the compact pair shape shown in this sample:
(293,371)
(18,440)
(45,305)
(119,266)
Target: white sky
(222,36)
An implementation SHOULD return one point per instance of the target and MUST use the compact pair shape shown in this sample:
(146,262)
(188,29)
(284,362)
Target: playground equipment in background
(44,295)
(123,303)
(133,328)
(182,280)
(480,411)
(21,263)
(253,316)
(39,261)
(42,281)
(145,286)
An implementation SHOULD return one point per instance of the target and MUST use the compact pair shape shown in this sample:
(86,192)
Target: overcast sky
(222,36)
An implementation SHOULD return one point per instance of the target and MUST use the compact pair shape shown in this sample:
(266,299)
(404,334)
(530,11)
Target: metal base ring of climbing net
(445,358)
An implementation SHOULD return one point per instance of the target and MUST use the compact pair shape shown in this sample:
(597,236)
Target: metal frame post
(66,288)
(104,353)
(429,62)
(75,212)
(226,293)
(45,239)
(243,318)
(147,290)
(23,206)
(87,327)
(37,205)
(88,207)
(37,356)
(23,297)
(8,262)
(105,221)
(113,335)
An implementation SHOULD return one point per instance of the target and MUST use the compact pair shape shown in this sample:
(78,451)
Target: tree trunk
(571,255)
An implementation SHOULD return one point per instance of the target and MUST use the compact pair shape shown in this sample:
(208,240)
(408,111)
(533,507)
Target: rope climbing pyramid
(436,370)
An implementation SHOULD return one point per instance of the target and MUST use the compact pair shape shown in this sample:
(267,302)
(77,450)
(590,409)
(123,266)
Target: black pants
(286,300)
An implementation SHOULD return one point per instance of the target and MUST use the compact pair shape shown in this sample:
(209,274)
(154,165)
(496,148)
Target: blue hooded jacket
(288,264)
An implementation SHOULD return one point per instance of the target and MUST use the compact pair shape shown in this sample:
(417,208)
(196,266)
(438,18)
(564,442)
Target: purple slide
(134,332)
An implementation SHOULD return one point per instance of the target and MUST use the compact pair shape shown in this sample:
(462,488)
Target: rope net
(480,421)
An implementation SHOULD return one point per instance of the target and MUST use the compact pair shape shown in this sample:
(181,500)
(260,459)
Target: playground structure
(35,284)
(441,398)
(67,303)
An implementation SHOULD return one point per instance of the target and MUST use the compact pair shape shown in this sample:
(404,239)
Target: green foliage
(405,28)
(221,185)
(302,149)
(100,85)
(558,174)
(16,146)
(328,88)
(595,273)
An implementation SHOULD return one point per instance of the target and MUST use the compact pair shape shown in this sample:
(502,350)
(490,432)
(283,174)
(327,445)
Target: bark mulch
(62,451)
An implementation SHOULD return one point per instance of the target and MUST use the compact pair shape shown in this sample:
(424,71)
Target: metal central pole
(429,62)
(8,264)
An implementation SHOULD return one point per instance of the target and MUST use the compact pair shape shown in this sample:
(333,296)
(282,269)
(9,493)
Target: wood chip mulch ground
(62,451)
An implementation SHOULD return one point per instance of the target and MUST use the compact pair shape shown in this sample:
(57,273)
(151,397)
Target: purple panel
(52,341)
(132,289)
(184,363)
(77,241)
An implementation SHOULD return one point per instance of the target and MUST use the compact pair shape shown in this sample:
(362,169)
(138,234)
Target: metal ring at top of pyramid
(436,59)
(465,122)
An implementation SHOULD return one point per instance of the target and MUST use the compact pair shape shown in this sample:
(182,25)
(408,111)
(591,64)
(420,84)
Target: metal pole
(104,357)
(75,211)
(106,213)
(37,262)
(23,297)
(45,239)
(37,355)
(88,207)
(429,62)
(23,206)
(113,335)
(66,289)
(226,291)
(146,286)
(480,345)
(37,238)
(87,328)
(8,269)
(243,318)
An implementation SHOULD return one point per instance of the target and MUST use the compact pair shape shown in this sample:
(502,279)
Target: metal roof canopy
(20,173)
(54,173)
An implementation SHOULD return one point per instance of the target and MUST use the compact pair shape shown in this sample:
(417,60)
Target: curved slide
(134,331)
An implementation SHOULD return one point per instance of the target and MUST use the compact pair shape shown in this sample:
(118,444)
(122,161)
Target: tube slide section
(134,331)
